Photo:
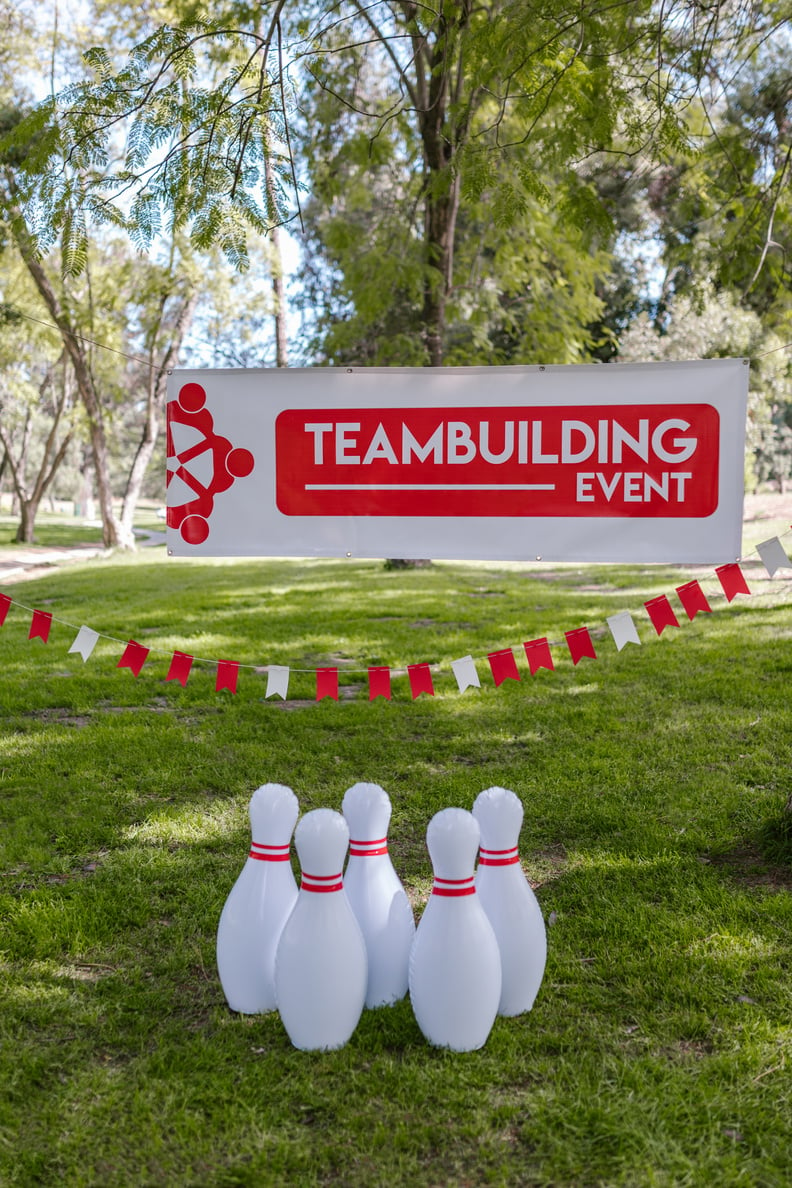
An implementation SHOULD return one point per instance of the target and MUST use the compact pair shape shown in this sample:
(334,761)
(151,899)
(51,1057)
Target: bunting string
(502,662)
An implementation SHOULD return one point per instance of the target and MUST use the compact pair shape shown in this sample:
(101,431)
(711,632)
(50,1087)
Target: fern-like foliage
(155,145)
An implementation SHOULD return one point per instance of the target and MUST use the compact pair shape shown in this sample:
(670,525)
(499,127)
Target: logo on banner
(639,460)
(201,464)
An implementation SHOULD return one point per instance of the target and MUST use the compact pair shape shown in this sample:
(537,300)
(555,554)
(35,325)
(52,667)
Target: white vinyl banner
(621,462)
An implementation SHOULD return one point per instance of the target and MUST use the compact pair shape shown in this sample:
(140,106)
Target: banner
(623,462)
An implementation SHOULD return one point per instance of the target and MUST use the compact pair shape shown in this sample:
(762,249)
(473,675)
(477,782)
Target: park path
(23,562)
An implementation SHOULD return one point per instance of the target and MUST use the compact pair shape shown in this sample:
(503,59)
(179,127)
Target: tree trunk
(434,88)
(28,501)
(137,471)
(278,294)
(25,533)
(443,132)
(440,223)
(156,393)
(114,535)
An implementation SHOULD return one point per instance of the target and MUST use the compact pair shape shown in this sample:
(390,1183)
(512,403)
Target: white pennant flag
(773,555)
(623,629)
(277,680)
(85,642)
(465,673)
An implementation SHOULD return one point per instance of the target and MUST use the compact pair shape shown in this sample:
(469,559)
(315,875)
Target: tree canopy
(507,181)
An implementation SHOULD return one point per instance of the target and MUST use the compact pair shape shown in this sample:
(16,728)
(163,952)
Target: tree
(714,325)
(78,351)
(141,304)
(726,214)
(463,128)
(489,102)
(38,418)
(721,221)
(54,398)
(165,297)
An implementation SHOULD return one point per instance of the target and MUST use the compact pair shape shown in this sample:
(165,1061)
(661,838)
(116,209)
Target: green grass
(52,531)
(55,531)
(658,1052)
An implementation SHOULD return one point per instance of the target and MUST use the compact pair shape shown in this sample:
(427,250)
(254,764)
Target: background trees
(505,182)
(121,315)
(37,406)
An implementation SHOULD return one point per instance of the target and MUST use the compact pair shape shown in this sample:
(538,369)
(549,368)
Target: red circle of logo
(239,462)
(195,529)
(192,397)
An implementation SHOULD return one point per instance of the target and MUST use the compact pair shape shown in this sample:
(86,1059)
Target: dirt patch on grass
(85,971)
(64,717)
(545,865)
(747,865)
(158,705)
(345,693)
(28,880)
(689,1049)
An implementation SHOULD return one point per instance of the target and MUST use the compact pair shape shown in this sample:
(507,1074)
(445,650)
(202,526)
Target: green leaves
(193,146)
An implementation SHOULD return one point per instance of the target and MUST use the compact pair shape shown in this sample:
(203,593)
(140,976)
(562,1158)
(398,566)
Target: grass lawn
(660,1048)
(55,531)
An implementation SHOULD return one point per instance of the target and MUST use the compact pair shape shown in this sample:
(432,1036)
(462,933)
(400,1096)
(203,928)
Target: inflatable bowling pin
(508,900)
(259,904)
(455,968)
(376,895)
(321,968)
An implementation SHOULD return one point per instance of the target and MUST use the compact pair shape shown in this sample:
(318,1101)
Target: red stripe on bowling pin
(454,887)
(269,853)
(368,849)
(498,857)
(321,882)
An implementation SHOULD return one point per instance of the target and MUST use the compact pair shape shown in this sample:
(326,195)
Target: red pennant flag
(693,599)
(503,665)
(420,680)
(379,683)
(5,602)
(538,653)
(579,644)
(327,683)
(227,673)
(661,613)
(180,667)
(40,625)
(134,657)
(732,579)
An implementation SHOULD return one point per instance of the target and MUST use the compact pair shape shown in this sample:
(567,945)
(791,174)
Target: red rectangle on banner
(600,460)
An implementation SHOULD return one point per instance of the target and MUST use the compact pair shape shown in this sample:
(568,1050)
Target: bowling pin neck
(498,857)
(367,809)
(273,812)
(499,813)
(372,848)
(453,839)
(324,884)
(267,853)
(321,840)
(454,888)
